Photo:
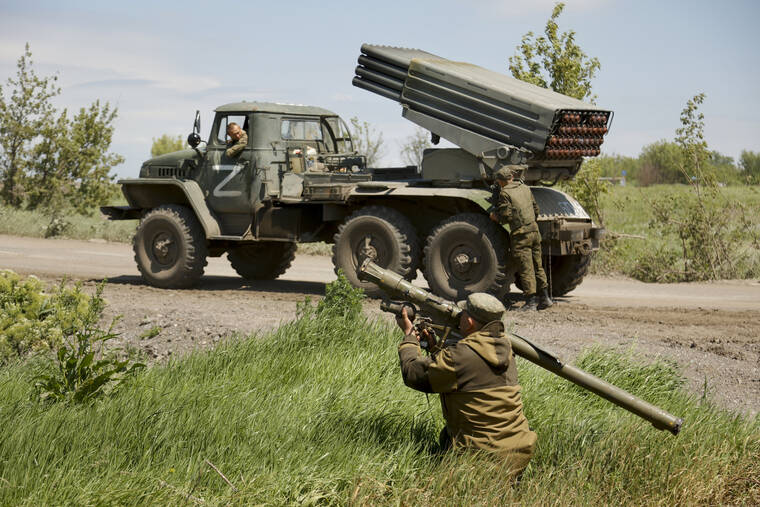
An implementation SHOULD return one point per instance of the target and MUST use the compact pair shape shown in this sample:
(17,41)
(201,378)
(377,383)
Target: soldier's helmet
(509,171)
(483,307)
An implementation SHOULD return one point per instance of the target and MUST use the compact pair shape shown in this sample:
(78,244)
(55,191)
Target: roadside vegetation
(316,412)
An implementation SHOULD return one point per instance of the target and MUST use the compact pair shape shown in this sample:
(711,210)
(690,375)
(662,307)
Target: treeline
(663,162)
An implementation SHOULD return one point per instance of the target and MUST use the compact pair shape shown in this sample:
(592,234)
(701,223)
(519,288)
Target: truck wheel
(262,261)
(170,247)
(382,234)
(567,272)
(467,253)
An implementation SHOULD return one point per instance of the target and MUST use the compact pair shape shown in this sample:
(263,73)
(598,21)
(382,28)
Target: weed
(150,333)
(80,371)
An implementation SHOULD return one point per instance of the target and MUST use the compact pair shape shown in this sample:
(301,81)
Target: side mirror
(194,139)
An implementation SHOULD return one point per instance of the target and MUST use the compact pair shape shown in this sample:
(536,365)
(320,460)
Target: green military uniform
(517,208)
(480,397)
(236,147)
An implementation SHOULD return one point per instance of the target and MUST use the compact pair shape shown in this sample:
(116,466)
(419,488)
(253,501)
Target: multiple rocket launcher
(558,130)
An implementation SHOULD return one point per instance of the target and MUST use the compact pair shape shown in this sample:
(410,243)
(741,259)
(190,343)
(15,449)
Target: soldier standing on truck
(476,377)
(517,207)
(237,142)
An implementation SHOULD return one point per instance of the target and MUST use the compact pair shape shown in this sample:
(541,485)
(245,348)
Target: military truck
(300,179)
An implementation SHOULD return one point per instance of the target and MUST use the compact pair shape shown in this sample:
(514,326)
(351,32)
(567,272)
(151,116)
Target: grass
(316,412)
(626,211)
(35,223)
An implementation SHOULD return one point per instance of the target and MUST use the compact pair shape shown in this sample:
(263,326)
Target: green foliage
(588,188)
(367,141)
(166,144)
(661,162)
(32,320)
(49,160)
(414,146)
(24,113)
(316,413)
(750,166)
(709,227)
(81,371)
(555,61)
(342,300)
(637,248)
(72,164)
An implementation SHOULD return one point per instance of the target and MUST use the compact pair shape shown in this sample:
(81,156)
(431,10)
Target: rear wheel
(262,261)
(567,272)
(382,234)
(467,253)
(170,247)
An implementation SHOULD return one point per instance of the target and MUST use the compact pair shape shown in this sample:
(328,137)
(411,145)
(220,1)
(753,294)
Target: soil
(712,331)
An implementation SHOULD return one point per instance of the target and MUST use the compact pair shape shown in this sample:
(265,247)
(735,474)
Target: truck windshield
(342,137)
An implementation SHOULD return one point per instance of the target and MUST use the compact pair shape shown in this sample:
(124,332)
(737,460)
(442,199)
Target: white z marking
(218,192)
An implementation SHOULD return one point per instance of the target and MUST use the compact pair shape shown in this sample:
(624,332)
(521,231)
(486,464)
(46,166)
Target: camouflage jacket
(236,147)
(517,208)
(480,397)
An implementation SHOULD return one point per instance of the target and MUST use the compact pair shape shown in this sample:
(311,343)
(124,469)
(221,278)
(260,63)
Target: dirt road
(711,330)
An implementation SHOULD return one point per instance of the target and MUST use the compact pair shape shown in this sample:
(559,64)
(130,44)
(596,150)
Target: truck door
(228,180)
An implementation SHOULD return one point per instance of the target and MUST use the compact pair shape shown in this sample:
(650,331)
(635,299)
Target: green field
(316,413)
(627,212)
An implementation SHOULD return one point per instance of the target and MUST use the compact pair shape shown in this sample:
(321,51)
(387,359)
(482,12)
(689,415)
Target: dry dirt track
(711,330)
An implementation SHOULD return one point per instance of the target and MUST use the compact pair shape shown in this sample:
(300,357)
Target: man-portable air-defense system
(444,316)
(299,179)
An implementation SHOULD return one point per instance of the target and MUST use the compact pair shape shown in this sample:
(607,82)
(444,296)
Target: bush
(32,320)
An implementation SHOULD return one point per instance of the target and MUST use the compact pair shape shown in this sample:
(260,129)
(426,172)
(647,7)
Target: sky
(159,62)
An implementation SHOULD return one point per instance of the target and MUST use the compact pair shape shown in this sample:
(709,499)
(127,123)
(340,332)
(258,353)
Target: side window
(301,130)
(240,119)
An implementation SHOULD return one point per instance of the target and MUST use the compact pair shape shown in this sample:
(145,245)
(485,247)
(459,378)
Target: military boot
(545,301)
(530,304)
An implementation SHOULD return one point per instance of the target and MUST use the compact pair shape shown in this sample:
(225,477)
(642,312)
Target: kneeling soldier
(476,377)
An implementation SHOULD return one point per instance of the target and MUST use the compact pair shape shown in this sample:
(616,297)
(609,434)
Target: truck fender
(149,193)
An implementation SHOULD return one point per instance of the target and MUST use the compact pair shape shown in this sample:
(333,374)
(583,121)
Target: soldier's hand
(492,216)
(404,323)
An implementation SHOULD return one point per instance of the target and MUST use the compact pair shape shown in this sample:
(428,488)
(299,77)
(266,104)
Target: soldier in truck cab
(238,140)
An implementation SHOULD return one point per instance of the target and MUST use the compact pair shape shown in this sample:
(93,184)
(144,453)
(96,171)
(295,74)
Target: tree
(690,137)
(415,144)
(72,164)
(750,165)
(166,144)
(661,162)
(555,61)
(23,115)
(63,161)
(367,141)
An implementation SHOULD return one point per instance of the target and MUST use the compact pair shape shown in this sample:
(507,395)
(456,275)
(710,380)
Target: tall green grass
(316,412)
(35,223)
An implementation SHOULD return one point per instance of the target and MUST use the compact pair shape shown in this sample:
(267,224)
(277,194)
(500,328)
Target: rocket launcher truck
(300,179)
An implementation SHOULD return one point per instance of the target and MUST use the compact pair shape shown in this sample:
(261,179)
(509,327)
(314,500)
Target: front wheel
(467,253)
(170,247)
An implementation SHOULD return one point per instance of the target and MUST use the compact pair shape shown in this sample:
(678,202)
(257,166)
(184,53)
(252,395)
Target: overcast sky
(160,61)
